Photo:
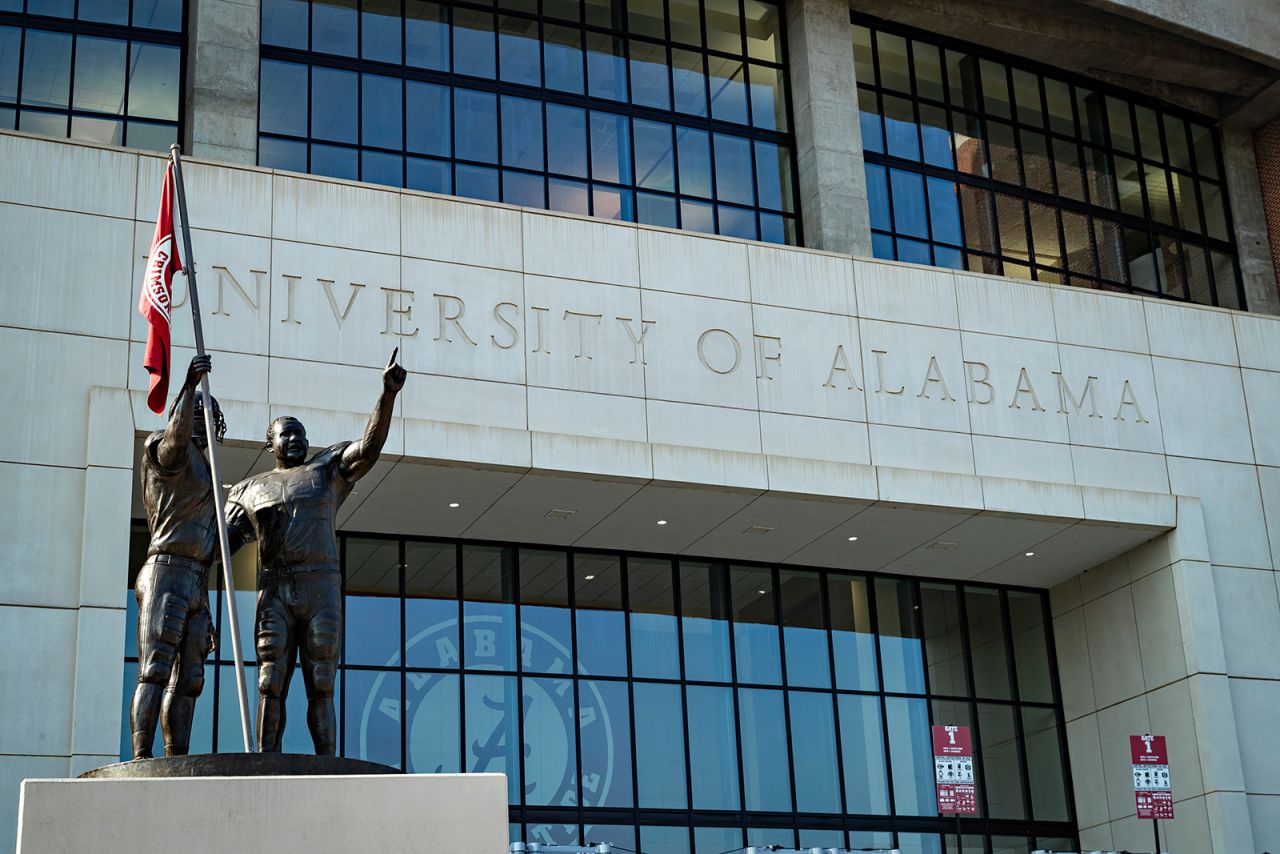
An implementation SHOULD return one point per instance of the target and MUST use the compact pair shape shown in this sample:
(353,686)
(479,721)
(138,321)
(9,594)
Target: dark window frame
(451,79)
(128,33)
(688,817)
(1228,293)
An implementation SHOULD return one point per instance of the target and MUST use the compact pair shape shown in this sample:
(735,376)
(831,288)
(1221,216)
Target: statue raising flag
(182,494)
(157,296)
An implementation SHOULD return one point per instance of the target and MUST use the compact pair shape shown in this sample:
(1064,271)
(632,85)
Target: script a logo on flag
(157,296)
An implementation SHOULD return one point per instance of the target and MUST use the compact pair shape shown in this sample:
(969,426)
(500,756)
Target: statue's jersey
(292,513)
(179,504)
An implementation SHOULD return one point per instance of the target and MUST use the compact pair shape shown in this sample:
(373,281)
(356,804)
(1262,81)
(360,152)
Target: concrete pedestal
(427,813)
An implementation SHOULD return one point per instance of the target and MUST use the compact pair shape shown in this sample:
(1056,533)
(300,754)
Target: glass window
(284,98)
(46,72)
(333,105)
(660,747)
(650,77)
(521,188)
(987,641)
(704,621)
(426,35)
(655,651)
(334,161)
(519,52)
(768,98)
(595,736)
(655,155)
(528,50)
(433,729)
(1030,650)
(606,67)
(522,133)
(473,43)
(814,753)
(979,125)
(372,724)
(900,652)
(372,616)
(727,79)
(475,125)
(755,626)
(851,636)
(428,118)
(901,132)
(488,609)
(493,726)
(100,72)
(431,605)
(713,752)
(546,640)
(944,639)
(733,169)
(550,760)
(610,148)
(765,770)
(380,30)
(334,26)
(604,730)
(434,176)
(911,755)
(109,12)
(10,50)
(1001,766)
(1043,736)
(598,615)
(804,636)
(158,14)
(380,112)
(284,23)
(689,82)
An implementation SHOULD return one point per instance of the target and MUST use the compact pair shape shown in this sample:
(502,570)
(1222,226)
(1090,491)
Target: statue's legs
(188,679)
(321,647)
(162,617)
(277,650)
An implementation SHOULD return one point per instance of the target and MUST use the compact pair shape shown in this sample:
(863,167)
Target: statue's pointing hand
(394,374)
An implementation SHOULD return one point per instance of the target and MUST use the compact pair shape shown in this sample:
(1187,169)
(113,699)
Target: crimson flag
(157,296)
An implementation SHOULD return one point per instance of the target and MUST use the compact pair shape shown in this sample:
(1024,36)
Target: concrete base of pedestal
(374,814)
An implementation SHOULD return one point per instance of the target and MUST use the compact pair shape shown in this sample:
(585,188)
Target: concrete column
(833,189)
(222,80)
(1249,217)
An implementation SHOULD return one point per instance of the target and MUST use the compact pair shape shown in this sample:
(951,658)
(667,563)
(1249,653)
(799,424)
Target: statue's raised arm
(291,511)
(359,456)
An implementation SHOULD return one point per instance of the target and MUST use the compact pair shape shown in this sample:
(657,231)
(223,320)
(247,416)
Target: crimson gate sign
(1151,786)
(953,770)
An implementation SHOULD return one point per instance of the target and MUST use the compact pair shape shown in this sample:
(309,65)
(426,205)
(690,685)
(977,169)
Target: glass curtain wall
(107,71)
(678,706)
(669,112)
(978,162)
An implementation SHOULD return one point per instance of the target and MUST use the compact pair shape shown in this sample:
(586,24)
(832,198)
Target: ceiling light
(1030,554)
(453,504)
(587,577)
(762,592)
(853,539)
(662,521)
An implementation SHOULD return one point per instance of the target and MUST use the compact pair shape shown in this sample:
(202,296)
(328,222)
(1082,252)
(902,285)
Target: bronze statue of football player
(292,513)
(175,629)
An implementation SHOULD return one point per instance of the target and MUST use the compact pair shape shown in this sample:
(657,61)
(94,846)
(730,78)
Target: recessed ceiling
(413,498)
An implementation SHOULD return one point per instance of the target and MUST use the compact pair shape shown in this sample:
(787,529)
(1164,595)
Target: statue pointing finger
(291,511)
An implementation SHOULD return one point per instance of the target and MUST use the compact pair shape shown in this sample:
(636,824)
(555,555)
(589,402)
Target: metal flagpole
(189,270)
